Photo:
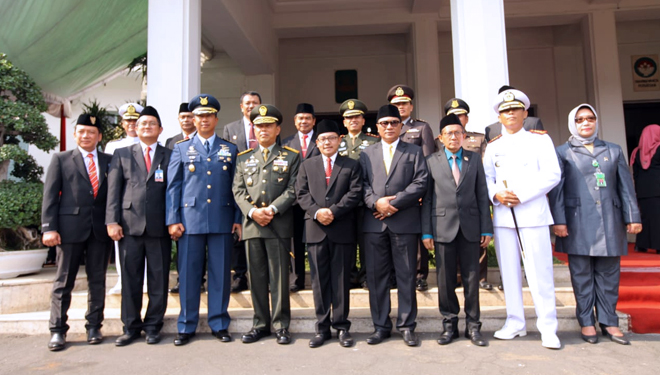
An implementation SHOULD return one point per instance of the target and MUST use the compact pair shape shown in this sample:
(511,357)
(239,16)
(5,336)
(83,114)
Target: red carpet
(639,290)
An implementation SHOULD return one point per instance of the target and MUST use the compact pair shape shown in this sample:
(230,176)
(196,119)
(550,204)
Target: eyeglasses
(456,134)
(579,120)
(385,124)
(331,138)
(148,123)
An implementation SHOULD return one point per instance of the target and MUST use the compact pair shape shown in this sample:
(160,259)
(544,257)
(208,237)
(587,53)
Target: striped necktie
(93,176)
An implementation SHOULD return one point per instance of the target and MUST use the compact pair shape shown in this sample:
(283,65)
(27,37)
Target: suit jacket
(495,129)
(262,184)
(293,141)
(342,195)
(234,132)
(418,132)
(69,206)
(407,180)
(170,142)
(199,187)
(135,200)
(596,217)
(647,181)
(451,208)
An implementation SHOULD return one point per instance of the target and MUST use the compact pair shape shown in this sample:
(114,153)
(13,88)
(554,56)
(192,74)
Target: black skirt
(649,237)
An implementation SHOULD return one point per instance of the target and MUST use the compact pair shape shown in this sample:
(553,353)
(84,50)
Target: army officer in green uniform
(264,189)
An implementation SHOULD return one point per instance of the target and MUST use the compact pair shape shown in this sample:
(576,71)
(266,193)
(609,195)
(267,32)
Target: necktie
(147,159)
(304,146)
(454,170)
(252,142)
(328,172)
(186,138)
(265,154)
(93,178)
(206,145)
(388,160)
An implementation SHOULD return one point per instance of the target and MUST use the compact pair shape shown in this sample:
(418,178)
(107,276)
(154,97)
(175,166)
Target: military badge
(454,103)
(351,104)
(399,91)
(508,96)
(204,100)
(263,110)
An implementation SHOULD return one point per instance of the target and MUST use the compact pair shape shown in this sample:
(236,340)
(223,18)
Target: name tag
(159,175)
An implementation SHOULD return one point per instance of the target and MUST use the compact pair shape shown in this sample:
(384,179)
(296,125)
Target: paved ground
(205,355)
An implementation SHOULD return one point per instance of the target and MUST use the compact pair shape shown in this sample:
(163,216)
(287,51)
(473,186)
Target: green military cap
(456,106)
(352,107)
(265,114)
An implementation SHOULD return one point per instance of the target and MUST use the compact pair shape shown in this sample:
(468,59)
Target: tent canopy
(67,46)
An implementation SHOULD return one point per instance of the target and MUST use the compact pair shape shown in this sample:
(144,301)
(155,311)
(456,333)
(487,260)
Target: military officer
(264,189)
(353,110)
(201,215)
(521,168)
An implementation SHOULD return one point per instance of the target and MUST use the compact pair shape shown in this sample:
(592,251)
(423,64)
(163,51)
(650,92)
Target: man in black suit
(304,140)
(73,219)
(394,175)
(135,216)
(495,129)
(329,188)
(457,222)
(241,133)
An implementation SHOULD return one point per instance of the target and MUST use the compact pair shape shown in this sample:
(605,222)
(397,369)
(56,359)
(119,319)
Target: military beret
(305,108)
(265,114)
(88,120)
(400,94)
(203,104)
(150,111)
(352,107)
(510,98)
(450,119)
(130,111)
(388,110)
(183,108)
(457,106)
(327,126)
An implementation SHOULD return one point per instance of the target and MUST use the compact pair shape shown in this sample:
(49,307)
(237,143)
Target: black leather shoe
(295,289)
(410,338)
(202,289)
(591,339)
(500,287)
(127,338)
(222,335)
(345,338)
(175,289)
(283,336)
(239,285)
(364,285)
(475,336)
(448,335)
(617,339)
(57,341)
(183,338)
(421,285)
(485,285)
(378,336)
(254,335)
(94,336)
(153,338)
(319,339)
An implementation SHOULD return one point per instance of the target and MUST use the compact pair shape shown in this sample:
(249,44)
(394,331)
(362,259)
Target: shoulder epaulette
(495,139)
(183,140)
(245,152)
(373,135)
(342,136)
(538,131)
(420,120)
(292,149)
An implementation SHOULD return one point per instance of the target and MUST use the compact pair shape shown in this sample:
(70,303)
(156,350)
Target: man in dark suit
(241,133)
(394,176)
(202,214)
(329,189)
(264,189)
(73,219)
(495,129)
(304,140)
(135,217)
(457,222)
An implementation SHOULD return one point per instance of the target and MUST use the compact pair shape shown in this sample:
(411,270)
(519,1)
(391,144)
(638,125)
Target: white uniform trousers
(538,268)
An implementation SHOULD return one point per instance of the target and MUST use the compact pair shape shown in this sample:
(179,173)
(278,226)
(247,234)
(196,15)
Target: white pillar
(480,56)
(603,75)
(173,57)
(427,72)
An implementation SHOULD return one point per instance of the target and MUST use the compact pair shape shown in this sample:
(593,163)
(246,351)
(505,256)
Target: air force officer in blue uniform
(201,214)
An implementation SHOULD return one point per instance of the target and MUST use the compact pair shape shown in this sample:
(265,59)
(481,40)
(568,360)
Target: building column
(603,75)
(427,72)
(480,56)
(173,52)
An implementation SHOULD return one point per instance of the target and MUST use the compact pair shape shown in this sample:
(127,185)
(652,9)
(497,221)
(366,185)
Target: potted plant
(21,122)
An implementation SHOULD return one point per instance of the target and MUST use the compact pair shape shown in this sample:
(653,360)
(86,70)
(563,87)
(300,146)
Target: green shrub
(20,214)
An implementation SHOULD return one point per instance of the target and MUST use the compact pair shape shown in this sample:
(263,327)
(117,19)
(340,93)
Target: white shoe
(509,334)
(115,289)
(550,341)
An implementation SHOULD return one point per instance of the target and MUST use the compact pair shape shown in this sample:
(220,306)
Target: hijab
(648,144)
(572,126)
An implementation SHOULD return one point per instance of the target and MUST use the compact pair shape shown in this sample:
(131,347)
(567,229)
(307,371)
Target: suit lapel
(398,151)
(465,166)
(80,163)
(444,164)
(199,146)
(339,163)
(599,147)
(138,157)
(159,154)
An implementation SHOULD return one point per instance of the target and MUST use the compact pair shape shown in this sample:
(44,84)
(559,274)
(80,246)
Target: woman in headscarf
(645,161)
(593,206)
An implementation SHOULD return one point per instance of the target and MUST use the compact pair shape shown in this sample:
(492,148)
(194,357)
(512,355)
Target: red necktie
(93,178)
(186,138)
(304,146)
(252,142)
(455,171)
(328,172)
(147,159)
